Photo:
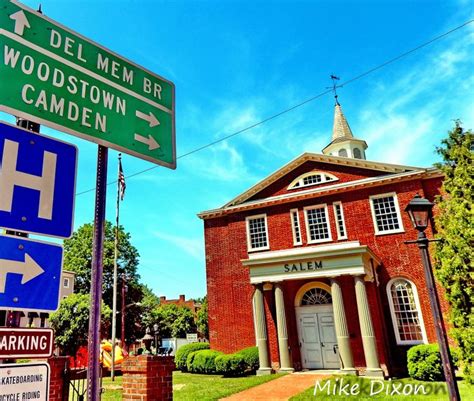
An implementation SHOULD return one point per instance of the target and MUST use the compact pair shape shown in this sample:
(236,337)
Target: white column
(342,332)
(285,364)
(367,329)
(261,331)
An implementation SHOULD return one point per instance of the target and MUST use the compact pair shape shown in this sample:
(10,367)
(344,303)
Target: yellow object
(106,354)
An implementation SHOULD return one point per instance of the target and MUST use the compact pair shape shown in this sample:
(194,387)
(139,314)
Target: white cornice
(341,161)
(323,191)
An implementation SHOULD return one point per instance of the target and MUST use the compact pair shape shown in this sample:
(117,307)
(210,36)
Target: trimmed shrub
(202,361)
(250,357)
(182,353)
(424,363)
(231,365)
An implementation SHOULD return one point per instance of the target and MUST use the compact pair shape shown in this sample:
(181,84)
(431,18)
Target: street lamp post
(419,209)
(156,332)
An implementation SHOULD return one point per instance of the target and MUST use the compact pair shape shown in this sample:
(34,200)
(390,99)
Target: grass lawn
(111,393)
(433,391)
(193,387)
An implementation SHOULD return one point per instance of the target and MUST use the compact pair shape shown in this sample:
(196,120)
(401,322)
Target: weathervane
(334,87)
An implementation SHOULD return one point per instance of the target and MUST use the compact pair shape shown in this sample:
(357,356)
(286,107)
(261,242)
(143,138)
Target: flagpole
(114,300)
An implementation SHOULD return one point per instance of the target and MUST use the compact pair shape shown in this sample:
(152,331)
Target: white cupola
(343,143)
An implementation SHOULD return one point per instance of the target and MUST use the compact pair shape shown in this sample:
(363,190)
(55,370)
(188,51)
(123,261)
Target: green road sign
(58,78)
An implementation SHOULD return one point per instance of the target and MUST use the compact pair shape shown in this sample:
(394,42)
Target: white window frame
(247,223)
(339,236)
(424,339)
(397,209)
(64,282)
(292,212)
(324,179)
(308,231)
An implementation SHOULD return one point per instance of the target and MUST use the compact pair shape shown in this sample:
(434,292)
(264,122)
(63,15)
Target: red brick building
(182,302)
(310,263)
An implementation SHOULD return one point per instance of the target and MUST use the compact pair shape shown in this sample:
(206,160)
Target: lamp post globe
(420,211)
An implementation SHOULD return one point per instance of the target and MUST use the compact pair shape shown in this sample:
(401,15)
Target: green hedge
(424,363)
(250,355)
(231,365)
(202,361)
(182,353)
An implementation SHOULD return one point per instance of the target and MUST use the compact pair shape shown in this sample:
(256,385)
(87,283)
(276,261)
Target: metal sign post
(93,372)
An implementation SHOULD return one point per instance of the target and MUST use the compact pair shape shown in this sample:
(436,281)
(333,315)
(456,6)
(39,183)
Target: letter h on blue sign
(37,182)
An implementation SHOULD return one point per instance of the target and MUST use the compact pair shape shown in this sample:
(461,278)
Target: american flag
(121,180)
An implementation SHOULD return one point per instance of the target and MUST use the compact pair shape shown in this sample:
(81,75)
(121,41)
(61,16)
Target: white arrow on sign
(28,268)
(150,141)
(20,22)
(150,117)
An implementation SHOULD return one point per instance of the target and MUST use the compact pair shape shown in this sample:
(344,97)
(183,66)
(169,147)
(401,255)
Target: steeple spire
(340,128)
(343,143)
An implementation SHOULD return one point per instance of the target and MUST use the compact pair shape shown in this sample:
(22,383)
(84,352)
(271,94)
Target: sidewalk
(280,389)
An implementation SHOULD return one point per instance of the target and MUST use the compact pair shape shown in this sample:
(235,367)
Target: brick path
(280,389)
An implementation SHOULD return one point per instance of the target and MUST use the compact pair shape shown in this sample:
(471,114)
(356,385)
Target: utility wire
(272,117)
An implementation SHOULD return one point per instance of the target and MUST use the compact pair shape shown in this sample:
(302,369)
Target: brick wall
(148,378)
(57,366)
(230,292)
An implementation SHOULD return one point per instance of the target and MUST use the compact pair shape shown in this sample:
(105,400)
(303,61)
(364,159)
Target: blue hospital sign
(37,182)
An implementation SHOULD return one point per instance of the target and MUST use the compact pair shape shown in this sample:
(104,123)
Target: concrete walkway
(281,389)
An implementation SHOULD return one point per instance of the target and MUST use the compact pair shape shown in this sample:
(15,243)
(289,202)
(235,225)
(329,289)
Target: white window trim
(295,242)
(249,245)
(339,236)
(303,176)
(308,233)
(397,209)
(394,318)
(64,281)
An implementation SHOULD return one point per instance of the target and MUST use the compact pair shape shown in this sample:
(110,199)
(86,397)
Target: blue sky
(235,63)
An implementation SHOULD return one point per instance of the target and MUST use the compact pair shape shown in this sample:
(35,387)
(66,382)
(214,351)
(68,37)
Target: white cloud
(192,246)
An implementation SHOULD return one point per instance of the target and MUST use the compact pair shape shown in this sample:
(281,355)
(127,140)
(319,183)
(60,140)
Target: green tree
(78,259)
(173,320)
(71,322)
(202,319)
(454,224)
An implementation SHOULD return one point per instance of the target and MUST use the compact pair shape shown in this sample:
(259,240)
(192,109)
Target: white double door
(317,337)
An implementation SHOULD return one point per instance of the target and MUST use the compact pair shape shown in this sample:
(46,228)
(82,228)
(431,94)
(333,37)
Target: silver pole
(114,300)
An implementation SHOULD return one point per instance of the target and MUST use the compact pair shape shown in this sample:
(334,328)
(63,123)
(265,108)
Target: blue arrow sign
(30,274)
(37,182)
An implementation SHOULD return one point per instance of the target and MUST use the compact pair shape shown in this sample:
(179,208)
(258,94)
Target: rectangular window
(66,283)
(317,224)
(340,223)
(257,233)
(386,214)
(295,226)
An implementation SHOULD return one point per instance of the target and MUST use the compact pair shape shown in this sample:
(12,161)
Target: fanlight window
(316,296)
(313,178)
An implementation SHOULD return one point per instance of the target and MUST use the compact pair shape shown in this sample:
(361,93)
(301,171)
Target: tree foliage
(202,319)
(71,322)
(78,258)
(173,320)
(454,224)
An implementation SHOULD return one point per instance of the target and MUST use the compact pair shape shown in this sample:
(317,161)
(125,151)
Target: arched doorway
(315,321)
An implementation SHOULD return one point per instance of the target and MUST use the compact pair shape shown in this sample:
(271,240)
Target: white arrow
(150,117)
(20,22)
(150,141)
(29,269)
